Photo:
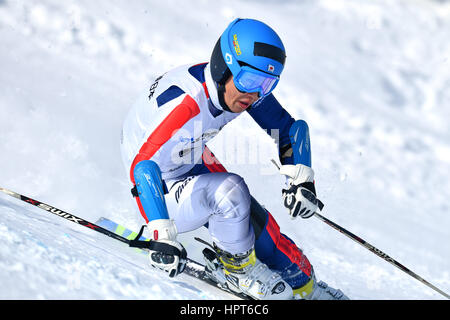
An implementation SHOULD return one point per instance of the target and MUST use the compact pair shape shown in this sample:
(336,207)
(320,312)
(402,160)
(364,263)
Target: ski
(193,268)
(111,229)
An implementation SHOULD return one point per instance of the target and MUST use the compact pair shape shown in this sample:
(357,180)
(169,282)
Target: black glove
(165,252)
(300,200)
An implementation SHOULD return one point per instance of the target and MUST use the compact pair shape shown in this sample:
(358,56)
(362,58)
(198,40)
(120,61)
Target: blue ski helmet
(253,53)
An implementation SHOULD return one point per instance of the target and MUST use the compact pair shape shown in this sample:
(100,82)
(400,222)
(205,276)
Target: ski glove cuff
(162,229)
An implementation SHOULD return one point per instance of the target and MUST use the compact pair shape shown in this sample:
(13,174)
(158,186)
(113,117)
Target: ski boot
(314,290)
(244,273)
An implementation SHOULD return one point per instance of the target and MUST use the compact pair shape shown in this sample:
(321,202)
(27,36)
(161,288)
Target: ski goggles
(251,80)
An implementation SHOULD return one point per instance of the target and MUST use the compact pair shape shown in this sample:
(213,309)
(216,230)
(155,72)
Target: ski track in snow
(372,79)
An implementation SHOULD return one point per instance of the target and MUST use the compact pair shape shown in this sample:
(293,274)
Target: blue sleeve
(270,115)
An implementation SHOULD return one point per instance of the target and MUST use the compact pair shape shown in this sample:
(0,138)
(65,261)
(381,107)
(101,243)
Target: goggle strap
(269,51)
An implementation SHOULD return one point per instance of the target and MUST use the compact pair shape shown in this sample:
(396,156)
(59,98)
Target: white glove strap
(162,229)
(297,174)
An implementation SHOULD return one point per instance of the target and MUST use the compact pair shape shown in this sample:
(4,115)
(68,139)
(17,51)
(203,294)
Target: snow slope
(372,79)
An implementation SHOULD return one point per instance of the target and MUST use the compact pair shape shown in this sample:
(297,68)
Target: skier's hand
(300,195)
(165,252)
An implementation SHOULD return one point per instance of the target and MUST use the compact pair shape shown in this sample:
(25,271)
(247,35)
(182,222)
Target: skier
(179,185)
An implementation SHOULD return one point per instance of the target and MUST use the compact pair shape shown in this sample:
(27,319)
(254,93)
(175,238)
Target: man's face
(238,101)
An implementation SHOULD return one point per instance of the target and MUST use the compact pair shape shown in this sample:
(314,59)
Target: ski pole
(379,253)
(370,247)
(65,215)
(135,243)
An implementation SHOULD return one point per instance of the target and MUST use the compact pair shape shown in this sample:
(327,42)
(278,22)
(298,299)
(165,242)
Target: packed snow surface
(371,78)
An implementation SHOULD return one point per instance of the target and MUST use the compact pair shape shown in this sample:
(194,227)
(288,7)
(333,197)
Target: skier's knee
(230,224)
(232,197)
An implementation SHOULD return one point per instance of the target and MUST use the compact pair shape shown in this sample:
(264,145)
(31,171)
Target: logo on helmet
(228,58)
(271,68)
(236,45)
